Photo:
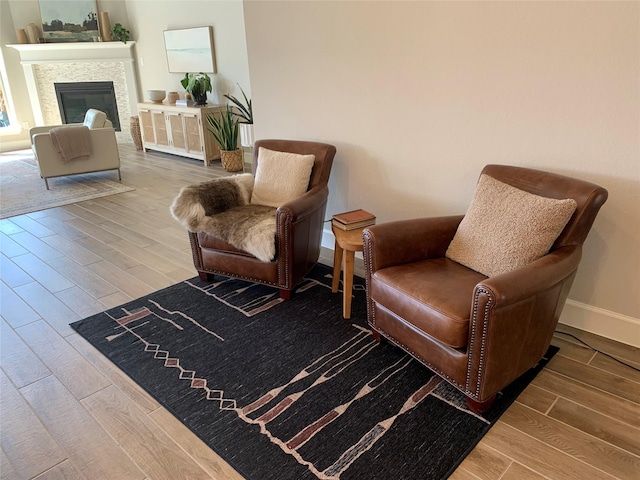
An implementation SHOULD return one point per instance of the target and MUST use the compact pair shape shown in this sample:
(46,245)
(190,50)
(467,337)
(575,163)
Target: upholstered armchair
(102,148)
(481,331)
(298,225)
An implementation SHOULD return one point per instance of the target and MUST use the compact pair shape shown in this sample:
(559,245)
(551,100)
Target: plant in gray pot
(244,112)
(224,128)
(197,85)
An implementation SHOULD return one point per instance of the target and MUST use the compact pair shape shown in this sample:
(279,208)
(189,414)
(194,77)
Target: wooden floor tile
(18,361)
(14,309)
(150,447)
(32,226)
(595,377)
(71,369)
(25,441)
(608,429)
(48,277)
(595,399)
(63,471)
(91,449)
(143,400)
(47,305)
(36,246)
(11,274)
(599,454)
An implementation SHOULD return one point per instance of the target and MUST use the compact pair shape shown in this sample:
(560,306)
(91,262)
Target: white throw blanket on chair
(72,142)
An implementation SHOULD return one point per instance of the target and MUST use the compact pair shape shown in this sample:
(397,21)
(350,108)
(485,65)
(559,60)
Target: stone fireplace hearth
(50,63)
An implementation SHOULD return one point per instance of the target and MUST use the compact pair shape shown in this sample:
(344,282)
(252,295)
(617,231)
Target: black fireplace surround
(75,98)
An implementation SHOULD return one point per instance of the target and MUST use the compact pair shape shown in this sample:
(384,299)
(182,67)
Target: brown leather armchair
(299,225)
(479,333)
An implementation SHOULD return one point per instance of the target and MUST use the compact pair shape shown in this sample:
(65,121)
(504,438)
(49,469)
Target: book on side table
(353,219)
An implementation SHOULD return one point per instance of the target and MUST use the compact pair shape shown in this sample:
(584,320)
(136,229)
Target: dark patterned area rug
(290,390)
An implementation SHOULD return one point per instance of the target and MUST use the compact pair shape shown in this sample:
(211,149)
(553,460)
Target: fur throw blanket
(221,207)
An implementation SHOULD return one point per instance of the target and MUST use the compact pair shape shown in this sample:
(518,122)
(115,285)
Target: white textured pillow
(506,228)
(280,177)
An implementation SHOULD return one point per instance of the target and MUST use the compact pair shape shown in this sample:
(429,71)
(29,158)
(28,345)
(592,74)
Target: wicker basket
(232,160)
(135,132)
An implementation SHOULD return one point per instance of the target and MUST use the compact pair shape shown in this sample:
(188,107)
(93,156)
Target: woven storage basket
(135,132)
(232,160)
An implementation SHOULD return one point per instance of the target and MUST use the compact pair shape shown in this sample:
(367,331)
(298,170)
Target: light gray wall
(419,96)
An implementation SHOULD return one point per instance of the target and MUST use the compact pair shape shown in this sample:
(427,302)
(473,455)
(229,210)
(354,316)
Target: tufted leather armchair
(299,225)
(479,333)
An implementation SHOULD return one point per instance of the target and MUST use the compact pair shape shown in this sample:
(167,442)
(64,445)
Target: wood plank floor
(67,413)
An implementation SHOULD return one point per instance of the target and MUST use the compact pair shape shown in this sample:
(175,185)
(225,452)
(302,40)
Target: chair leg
(205,277)
(480,407)
(379,338)
(46,182)
(119,175)
(285,294)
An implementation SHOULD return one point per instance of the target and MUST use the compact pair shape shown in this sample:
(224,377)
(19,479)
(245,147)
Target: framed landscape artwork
(190,50)
(69,21)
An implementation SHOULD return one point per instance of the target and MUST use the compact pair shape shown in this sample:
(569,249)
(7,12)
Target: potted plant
(245,115)
(197,85)
(224,128)
(118,32)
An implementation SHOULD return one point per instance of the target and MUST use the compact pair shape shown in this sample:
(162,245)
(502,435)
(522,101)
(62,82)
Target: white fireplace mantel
(75,52)
(32,55)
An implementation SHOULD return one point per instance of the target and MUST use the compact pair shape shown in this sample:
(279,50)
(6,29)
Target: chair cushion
(433,295)
(506,228)
(95,119)
(280,177)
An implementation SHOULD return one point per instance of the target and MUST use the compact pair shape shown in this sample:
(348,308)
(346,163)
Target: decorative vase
(22,35)
(232,160)
(172,97)
(33,33)
(136,135)
(105,26)
(246,134)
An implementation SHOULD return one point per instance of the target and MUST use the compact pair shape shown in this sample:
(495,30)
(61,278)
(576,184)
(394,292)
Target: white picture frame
(190,50)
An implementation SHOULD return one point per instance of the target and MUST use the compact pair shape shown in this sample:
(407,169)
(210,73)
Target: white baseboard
(608,324)
(327,239)
(14,145)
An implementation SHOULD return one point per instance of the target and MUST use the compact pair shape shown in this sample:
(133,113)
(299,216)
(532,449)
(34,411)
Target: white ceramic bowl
(156,96)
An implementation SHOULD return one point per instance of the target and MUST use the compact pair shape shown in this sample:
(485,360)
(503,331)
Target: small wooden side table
(349,241)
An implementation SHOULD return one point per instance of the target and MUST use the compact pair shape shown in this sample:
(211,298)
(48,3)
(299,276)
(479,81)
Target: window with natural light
(4,114)
(8,121)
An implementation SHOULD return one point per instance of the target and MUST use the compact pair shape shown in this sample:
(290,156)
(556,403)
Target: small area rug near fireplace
(289,390)
(23,191)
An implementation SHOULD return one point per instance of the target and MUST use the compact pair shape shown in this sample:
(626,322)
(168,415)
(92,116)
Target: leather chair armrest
(405,241)
(513,318)
(303,206)
(537,276)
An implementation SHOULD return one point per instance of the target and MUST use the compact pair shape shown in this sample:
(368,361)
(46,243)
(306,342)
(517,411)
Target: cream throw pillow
(280,177)
(506,228)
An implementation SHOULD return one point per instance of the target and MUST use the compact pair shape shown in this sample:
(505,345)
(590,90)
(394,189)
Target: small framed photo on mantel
(69,21)
(190,50)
